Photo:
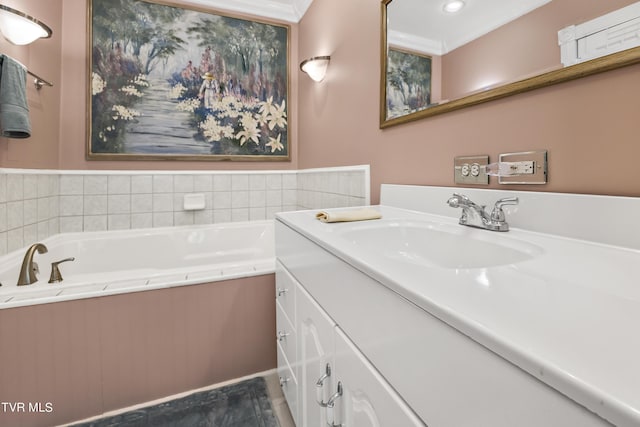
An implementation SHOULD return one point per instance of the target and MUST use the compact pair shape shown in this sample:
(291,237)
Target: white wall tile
(238,215)
(71,205)
(163,183)
(95,205)
(289,181)
(15,240)
(3,243)
(119,222)
(119,184)
(141,220)
(96,184)
(221,215)
(44,185)
(203,217)
(30,211)
(54,206)
(221,200)
(43,230)
(203,183)
(289,197)
(3,217)
(70,224)
(141,184)
(183,183)
(183,218)
(257,214)
(274,181)
(162,219)
(119,204)
(257,199)
(239,199)
(239,183)
(257,182)
(222,183)
(141,203)
(95,223)
(273,198)
(30,236)
(43,208)
(15,187)
(54,225)
(30,186)
(162,202)
(3,189)
(71,185)
(15,215)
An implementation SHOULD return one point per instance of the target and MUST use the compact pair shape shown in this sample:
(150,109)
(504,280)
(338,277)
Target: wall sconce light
(316,67)
(19,28)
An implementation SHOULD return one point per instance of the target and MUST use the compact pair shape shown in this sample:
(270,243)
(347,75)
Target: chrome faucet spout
(29,270)
(475,215)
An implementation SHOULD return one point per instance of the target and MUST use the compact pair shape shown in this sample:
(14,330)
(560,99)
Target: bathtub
(115,262)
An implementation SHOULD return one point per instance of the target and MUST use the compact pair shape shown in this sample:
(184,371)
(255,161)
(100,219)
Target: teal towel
(14,110)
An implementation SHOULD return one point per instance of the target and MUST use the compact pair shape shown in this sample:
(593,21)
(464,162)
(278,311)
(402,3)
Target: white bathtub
(115,262)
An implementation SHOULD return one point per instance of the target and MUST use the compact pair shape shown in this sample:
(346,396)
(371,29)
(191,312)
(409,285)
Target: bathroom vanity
(414,319)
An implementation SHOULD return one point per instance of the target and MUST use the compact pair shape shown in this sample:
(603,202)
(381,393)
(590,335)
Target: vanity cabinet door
(315,352)
(367,400)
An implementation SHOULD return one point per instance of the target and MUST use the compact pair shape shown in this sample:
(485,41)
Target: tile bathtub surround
(35,204)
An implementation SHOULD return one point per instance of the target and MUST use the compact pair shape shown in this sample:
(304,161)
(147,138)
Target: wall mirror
(434,61)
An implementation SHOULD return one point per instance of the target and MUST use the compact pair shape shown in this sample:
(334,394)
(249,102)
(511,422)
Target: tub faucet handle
(55,276)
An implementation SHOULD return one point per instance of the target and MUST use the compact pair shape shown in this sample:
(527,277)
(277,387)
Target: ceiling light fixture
(316,67)
(453,6)
(19,28)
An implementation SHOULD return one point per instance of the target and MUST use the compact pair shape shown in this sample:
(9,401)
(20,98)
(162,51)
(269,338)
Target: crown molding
(283,10)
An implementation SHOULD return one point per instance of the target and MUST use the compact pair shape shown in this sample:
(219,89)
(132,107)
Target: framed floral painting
(408,82)
(174,83)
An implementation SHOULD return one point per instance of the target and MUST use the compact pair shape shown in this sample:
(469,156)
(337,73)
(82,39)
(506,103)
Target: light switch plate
(470,170)
(539,175)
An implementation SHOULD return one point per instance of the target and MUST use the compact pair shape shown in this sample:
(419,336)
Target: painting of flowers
(175,83)
(408,82)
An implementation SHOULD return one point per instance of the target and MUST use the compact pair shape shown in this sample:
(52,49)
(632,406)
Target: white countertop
(569,316)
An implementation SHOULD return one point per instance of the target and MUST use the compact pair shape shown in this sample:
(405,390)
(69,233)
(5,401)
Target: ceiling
(283,10)
(423,25)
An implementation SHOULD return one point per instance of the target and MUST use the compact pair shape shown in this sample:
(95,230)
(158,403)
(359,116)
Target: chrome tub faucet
(474,215)
(29,270)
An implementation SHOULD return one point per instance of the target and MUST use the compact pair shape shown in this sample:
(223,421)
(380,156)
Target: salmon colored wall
(524,47)
(40,151)
(90,356)
(590,126)
(74,104)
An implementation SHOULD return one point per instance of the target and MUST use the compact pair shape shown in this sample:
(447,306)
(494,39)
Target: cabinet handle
(284,381)
(320,385)
(331,416)
(282,335)
(282,291)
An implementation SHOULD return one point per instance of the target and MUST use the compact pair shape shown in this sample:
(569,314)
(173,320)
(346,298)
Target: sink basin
(440,244)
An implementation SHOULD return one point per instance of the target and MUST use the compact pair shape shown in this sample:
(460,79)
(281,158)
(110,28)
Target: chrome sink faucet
(474,215)
(29,267)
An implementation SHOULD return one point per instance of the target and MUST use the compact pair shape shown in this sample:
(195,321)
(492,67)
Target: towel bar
(39,81)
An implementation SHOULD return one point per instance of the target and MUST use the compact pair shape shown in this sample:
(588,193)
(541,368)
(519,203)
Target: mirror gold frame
(587,68)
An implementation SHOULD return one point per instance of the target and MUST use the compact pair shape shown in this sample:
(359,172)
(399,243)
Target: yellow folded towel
(352,215)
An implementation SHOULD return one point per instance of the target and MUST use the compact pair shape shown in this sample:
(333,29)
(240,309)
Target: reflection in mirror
(435,61)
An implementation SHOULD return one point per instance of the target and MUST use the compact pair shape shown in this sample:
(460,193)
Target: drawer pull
(282,291)
(284,381)
(320,385)
(282,335)
(331,416)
